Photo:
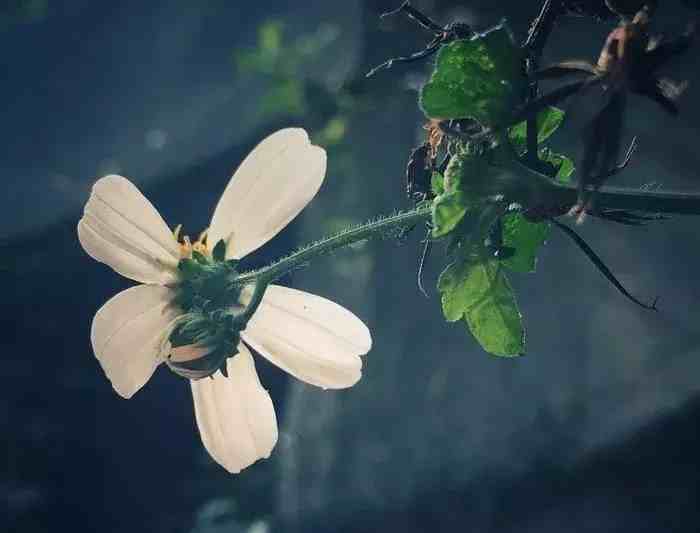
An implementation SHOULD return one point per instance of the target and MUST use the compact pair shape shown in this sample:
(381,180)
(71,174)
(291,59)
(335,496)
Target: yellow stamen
(187,246)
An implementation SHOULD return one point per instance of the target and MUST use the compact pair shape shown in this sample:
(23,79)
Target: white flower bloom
(312,338)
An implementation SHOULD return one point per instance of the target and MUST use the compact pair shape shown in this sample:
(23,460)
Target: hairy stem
(347,237)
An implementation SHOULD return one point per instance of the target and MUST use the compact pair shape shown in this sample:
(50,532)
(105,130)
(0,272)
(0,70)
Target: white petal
(128,333)
(121,228)
(314,339)
(272,185)
(235,415)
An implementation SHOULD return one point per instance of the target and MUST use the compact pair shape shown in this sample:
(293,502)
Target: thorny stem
(270,273)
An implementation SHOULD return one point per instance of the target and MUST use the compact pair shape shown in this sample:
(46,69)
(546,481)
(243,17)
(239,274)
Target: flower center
(187,247)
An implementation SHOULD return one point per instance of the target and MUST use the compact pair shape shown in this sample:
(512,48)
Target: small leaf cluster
(480,78)
(480,197)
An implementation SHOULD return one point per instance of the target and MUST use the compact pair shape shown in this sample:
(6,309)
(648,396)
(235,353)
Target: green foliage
(448,211)
(479,78)
(548,121)
(278,61)
(437,183)
(525,238)
(476,290)
(565,166)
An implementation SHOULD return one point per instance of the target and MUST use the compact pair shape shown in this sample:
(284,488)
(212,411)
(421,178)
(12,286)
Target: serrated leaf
(478,291)
(548,121)
(525,238)
(478,78)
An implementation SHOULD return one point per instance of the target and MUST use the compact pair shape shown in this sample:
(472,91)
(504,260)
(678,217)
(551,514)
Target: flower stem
(668,202)
(543,190)
(372,229)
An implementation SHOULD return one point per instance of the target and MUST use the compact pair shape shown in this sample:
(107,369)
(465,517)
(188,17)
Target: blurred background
(595,429)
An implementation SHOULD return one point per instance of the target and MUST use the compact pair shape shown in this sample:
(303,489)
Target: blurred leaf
(332,133)
(478,78)
(265,58)
(270,37)
(525,238)
(278,60)
(285,97)
(561,162)
(478,291)
(548,121)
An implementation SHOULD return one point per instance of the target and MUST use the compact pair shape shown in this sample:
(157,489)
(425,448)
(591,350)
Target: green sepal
(200,368)
(189,268)
(199,257)
(525,238)
(477,291)
(219,251)
(480,78)
(218,331)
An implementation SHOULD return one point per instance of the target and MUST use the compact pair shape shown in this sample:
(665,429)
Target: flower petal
(314,339)
(121,228)
(235,415)
(272,185)
(128,333)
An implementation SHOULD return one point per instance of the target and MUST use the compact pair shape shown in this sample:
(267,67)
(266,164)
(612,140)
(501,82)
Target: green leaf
(563,163)
(526,238)
(548,121)
(468,182)
(448,211)
(478,78)
(479,292)
(437,183)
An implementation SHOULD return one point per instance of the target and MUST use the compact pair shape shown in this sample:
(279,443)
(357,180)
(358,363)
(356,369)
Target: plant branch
(372,229)
(667,202)
(540,29)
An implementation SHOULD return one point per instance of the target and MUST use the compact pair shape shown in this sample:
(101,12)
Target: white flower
(312,338)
